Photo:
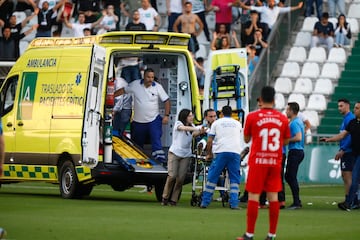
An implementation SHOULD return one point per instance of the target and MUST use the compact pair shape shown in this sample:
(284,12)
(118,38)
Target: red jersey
(268,128)
(224,15)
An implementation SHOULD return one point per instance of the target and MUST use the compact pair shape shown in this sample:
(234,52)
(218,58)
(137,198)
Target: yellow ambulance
(56,120)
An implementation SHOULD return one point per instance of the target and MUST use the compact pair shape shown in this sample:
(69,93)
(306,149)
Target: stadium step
(348,86)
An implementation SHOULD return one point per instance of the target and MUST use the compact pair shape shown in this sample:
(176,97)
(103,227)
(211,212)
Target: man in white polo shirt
(147,121)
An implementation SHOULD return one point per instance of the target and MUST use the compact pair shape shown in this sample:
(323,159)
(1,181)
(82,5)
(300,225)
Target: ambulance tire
(159,189)
(69,183)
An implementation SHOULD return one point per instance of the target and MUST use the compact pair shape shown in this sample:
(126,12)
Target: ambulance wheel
(69,183)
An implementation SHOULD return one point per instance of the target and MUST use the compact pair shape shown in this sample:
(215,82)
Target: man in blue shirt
(296,152)
(345,154)
(323,32)
(352,129)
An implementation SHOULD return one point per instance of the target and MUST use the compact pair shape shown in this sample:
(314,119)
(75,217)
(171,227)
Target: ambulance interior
(171,71)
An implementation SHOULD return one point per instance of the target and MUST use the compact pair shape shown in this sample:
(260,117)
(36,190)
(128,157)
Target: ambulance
(57,102)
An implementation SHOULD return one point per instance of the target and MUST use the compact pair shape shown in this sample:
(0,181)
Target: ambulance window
(96,80)
(8,94)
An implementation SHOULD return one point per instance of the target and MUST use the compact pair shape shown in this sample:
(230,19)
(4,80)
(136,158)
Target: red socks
(274,210)
(252,214)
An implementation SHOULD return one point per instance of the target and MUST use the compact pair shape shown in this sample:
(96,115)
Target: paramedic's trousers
(140,131)
(228,160)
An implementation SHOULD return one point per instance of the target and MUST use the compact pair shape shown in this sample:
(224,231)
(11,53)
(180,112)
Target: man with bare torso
(188,21)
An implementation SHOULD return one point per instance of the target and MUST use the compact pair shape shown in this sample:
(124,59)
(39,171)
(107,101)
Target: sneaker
(269,238)
(355,206)
(344,206)
(294,207)
(244,237)
(164,202)
(172,203)
(282,204)
(235,208)
(203,206)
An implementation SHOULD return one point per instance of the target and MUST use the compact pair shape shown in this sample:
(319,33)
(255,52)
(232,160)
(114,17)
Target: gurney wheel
(225,198)
(194,200)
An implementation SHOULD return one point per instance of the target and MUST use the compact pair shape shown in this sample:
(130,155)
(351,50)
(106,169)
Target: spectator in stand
(251,26)
(174,9)
(109,21)
(128,7)
(259,42)
(45,18)
(79,27)
(116,4)
(200,8)
(87,32)
(189,22)
(16,28)
(9,46)
(130,65)
(225,42)
(271,11)
(90,8)
(223,13)
(252,59)
(149,16)
(220,33)
(342,32)
(135,24)
(245,14)
(23,5)
(200,73)
(336,4)
(52,4)
(323,32)
(6,10)
(310,8)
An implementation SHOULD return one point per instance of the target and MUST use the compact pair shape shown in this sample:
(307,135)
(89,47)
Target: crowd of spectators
(47,18)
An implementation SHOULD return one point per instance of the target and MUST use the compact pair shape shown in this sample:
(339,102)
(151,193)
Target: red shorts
(263,178)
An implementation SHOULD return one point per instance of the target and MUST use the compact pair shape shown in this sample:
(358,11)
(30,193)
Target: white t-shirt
(227,134)
(123,101)
(146,100)
(109,22)
(302,116)
(176,6)
(147,17)
(181,141)
(197,6)
(269,15)
(79,28)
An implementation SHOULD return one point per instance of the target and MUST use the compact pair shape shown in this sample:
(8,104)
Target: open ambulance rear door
(92,117)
